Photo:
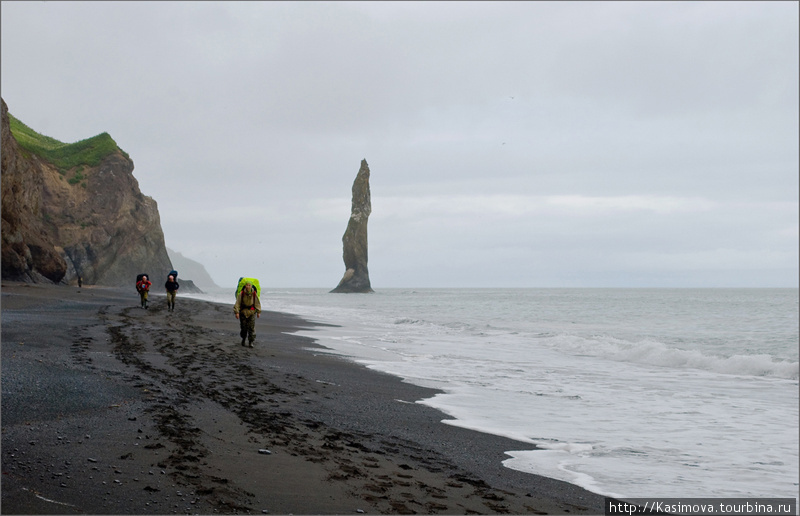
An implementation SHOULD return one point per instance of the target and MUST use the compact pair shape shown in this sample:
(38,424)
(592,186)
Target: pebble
(264,452)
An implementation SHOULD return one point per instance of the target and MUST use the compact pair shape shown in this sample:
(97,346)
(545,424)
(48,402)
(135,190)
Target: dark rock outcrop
(87,219)
(187,286)
(356,275)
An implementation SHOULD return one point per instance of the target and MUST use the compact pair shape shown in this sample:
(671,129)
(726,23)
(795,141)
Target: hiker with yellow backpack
(247,308)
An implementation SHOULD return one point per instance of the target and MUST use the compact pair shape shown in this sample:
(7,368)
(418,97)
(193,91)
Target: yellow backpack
(242,281)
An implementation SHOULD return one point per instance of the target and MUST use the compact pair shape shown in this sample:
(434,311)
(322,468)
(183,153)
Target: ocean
(626,392)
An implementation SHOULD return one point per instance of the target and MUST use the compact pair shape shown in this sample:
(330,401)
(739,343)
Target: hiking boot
(243,342)
(252,344)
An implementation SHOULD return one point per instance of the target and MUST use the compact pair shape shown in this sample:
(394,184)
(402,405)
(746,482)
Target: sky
(510,144)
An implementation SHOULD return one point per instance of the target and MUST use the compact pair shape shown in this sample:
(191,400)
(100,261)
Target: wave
(647,351)
(656,353)
(406,320)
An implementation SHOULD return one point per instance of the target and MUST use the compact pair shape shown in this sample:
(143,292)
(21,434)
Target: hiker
(80,282)
(143,287)
(247,309)
(172,288)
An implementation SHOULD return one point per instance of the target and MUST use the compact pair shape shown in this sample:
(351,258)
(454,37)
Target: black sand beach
(111,409)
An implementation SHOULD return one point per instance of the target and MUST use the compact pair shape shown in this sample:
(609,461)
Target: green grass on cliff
(65,156)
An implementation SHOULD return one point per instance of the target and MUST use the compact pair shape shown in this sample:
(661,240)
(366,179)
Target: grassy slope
(65,156)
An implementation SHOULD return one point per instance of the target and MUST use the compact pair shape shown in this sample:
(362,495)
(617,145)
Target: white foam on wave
(567,447)
(556,464)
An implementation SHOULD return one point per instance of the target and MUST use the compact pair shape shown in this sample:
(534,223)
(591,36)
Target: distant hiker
(172,288)
(143,287)
(80,282)
(247,309)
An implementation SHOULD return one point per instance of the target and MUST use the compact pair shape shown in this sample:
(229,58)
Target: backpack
(242,281)
(174,274)
(139,278)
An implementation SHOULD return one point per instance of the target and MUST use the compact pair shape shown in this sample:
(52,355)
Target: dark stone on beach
(354,240)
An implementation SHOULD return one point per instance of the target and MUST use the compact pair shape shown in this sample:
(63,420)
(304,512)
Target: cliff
(75,209)
(188,268)
(354,240)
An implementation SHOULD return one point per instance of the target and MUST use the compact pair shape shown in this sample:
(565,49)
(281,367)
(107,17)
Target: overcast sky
(511,144)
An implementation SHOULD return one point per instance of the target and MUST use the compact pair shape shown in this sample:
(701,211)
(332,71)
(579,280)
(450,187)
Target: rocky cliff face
(28,252)
(356,275)
(88,220)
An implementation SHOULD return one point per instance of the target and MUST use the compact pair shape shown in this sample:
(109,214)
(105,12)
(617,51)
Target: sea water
(625,392)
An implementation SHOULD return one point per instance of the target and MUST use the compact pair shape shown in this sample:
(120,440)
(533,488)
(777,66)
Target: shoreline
(112,409)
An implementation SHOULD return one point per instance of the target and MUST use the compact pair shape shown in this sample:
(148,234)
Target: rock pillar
(354,241)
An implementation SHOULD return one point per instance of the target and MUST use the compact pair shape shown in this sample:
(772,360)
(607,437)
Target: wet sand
(108,408)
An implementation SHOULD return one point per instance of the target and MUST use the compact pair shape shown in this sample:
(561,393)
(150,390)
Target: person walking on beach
(143,287)
(172,289)
(247,309)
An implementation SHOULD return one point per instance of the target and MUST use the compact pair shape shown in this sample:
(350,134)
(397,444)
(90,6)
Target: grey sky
(530,144)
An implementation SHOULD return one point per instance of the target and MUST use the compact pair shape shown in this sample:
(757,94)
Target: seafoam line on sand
(37,495)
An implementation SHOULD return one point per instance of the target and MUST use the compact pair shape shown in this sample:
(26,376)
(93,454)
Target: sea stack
(354,241)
